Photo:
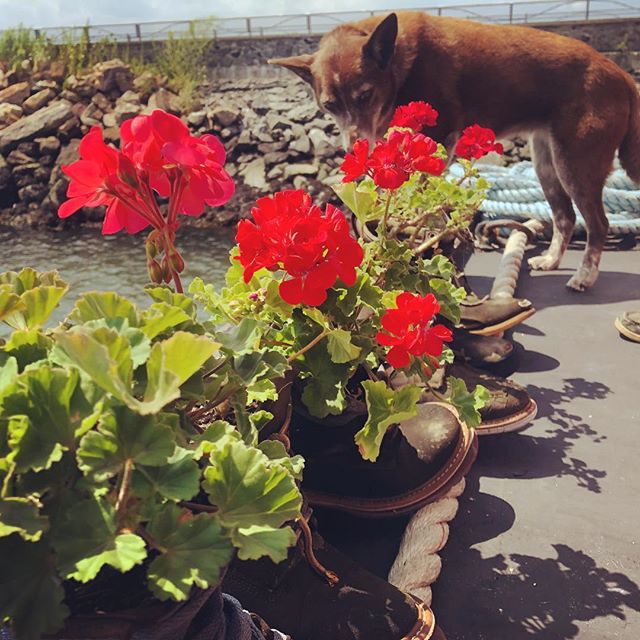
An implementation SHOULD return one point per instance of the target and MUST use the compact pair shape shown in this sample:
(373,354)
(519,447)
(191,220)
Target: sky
(55,13)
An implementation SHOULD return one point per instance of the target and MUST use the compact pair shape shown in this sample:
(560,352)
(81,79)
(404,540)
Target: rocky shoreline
(275,135)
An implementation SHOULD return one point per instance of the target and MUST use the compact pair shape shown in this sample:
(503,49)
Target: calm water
(89,261)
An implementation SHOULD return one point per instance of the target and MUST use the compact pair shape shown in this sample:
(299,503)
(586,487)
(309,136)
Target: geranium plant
(130,437)
(401,183)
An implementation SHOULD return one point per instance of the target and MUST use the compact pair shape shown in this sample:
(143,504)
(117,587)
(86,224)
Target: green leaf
(184,353)
(216,436)
(177,479)
(8,373)
(124,435)
(31,595)
(28,346)
(164,294)
(385,406)
(98,305)
(42,417)
(40,304)
(275,451)
(160,317)
(194,552)
(21,516)
(258,541)
(242,338)
(317,316)
(250,490)
(467,404)
(340,347)
(360,198)
(87,539)
(10,303)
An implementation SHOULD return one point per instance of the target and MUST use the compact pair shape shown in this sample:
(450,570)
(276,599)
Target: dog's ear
(298,64)
(382,42)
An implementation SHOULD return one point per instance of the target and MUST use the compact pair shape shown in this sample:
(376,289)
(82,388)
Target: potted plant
(357,319)
(129,438)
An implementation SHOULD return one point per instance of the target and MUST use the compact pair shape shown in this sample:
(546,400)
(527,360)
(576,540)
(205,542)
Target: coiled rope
(515,193)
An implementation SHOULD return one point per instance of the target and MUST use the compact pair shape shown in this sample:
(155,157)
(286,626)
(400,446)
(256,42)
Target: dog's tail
(630,148)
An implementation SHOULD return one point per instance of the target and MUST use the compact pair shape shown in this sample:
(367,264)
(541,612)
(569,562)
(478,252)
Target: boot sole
(425,626)
(627,333)
(457,466)
(517,422)
(501,327)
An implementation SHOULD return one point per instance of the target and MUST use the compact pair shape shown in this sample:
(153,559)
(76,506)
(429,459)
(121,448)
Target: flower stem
(123,491)
(309,346)
(385,217)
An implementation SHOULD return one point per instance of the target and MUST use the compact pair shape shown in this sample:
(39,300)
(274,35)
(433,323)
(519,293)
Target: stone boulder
(36,124)
(38,100)
(9,113)
(15,93)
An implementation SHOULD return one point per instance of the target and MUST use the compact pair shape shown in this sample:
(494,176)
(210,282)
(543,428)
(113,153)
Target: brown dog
(578,106)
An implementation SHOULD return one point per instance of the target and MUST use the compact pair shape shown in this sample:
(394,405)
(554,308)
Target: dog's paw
(583,279)
(544,262)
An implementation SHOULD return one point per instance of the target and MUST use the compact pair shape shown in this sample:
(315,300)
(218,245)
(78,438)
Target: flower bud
(176,261)
(155,271)
(126,171)
(151,249)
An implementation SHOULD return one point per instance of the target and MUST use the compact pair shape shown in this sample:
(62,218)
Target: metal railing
(533,12)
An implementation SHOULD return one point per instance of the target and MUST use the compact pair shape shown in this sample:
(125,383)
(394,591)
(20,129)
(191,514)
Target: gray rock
(129,96)
(91,115)
(275,173)
(48,146)
(17,157)
(300,182)
(303,145)
(300,169)
(125,111)
(165,100)
(276,121)
(322,146)
(15,93)
(5,175)
(225,116)
(304,112)
(35,125)
(112,75)
(254,174)
(31,173)
(38,100)
(9,113)
(275,157)
(32,193)
(196,118)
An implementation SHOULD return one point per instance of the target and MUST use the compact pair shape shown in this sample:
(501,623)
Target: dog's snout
(349,136)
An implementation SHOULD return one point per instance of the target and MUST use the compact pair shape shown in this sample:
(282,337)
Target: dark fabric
(208,615)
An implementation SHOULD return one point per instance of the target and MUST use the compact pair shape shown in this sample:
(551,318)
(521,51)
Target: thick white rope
(515,193)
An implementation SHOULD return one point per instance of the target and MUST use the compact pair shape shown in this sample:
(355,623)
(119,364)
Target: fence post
(439,11)
(248,21)
(138,32)
(511,13)
(87,35)
(586,12)
(308,23)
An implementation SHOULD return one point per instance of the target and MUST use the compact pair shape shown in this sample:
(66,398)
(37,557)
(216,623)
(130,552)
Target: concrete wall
(246,57)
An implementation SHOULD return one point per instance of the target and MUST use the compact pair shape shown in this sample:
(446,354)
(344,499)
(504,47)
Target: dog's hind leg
(583,170)
(564,216)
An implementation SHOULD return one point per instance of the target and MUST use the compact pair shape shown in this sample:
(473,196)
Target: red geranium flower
(95,182)
(314,248)
(409,329)
(393,159)
(354,164)
(415,115)
(160,144)
(477,141)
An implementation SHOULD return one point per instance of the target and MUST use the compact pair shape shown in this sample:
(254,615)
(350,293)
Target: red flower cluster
(313,247)
(415,115)
(477,141)
(158,154)
(410,331)
(393,159)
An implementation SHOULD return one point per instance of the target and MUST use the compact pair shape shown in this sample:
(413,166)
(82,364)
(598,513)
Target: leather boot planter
(418,462)
(318,593)
(488,317)
(509,407)
(479,350)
